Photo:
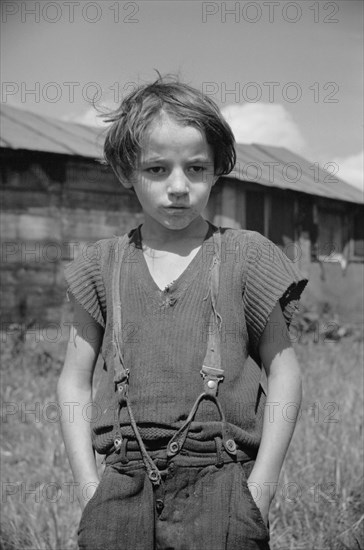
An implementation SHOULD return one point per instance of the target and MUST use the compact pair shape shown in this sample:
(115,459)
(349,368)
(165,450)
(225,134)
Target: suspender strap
(121,374)
(211,371)
(213,353)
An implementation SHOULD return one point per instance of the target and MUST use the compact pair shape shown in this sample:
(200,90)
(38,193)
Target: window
(333,232)
(358,234)
(281,225)
(255,211)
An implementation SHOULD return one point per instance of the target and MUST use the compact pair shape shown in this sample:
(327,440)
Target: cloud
(264,123)
(89,118)
(351,170)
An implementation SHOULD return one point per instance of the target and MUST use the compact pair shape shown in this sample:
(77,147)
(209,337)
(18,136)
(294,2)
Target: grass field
(318,505)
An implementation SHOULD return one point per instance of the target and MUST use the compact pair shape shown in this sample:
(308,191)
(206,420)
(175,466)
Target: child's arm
(284,388)
(74,388)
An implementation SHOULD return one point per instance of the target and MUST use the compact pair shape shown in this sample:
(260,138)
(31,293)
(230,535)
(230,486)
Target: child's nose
(178,183)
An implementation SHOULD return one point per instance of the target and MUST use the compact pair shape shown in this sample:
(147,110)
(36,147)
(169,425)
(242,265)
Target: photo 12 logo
(271,12)
(271,91)
(69,12)
(71,91)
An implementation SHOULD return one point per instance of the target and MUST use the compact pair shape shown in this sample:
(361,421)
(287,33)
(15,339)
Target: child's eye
(197,169)
(155,170)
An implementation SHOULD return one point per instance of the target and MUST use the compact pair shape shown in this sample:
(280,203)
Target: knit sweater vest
(165,335)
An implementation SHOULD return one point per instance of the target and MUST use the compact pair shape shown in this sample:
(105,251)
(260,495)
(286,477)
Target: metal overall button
(154,477)
(230,446)
(118,442)
(173,448)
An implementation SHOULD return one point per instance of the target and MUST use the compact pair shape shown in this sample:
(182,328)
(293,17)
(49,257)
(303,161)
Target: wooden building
(57,196)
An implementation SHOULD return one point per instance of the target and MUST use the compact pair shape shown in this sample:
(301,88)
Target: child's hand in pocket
(262,497)
(86,491)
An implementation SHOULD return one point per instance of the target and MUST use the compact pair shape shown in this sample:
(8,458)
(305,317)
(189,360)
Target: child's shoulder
(104,247)
(254,249)
(243,236)
(109,242)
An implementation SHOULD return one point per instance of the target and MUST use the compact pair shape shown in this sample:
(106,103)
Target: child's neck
(168,254)
(157,237)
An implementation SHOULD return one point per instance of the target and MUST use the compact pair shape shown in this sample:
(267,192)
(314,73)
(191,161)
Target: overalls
(174,498)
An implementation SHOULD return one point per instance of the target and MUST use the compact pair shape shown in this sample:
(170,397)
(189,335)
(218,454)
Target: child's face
(175,174)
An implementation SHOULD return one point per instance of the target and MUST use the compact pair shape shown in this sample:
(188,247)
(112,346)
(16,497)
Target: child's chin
(177,225)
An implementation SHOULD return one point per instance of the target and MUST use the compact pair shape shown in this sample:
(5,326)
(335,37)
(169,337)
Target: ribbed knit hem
(85,283)
(272,278)
(201,440)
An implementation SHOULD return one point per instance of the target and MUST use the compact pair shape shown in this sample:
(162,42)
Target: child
(192,452)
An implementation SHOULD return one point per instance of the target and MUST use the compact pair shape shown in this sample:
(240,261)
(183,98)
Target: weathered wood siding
(52,205)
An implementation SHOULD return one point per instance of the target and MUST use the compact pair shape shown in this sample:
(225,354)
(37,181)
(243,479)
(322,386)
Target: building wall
(52,206)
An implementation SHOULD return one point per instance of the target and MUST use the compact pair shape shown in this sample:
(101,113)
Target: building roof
(266,165)
(21,129)
(279,167)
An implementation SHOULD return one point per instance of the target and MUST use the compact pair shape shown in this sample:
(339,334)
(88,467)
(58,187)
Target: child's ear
(128,184)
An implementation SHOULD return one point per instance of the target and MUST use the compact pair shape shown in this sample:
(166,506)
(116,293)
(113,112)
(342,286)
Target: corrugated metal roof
(22,129)
(265,165)
(278,167)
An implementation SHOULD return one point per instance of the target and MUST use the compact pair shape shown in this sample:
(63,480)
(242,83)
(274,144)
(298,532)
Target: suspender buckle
(211,379)
(121,383)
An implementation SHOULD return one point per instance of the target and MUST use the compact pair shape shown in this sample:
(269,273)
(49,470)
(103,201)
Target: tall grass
(39,510)
(319,501)
(318,505)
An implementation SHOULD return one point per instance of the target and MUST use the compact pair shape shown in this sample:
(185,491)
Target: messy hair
(186,105)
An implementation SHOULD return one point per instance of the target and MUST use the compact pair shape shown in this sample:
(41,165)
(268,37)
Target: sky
(283,73)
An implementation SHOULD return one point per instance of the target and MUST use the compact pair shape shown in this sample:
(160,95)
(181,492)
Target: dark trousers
(198,506)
